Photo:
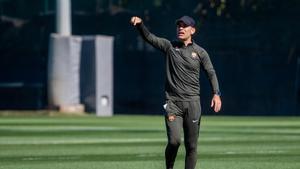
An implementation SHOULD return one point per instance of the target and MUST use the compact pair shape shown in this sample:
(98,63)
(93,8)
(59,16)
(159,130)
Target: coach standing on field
(183,61)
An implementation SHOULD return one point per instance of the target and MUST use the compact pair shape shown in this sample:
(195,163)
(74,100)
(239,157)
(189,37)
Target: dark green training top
(183,67)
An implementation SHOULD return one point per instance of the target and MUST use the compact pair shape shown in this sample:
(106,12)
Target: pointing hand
(135,20)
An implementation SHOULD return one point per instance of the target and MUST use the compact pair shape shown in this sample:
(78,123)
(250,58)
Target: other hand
(216,103)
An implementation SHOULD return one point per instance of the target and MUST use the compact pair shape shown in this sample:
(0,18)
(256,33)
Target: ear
(193,30)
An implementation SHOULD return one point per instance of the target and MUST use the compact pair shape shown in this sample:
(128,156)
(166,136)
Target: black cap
(186,20)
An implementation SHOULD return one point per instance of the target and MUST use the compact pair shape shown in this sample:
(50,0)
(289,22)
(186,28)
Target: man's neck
(187,42)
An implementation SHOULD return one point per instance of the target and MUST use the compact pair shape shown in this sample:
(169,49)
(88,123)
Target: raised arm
(159,43)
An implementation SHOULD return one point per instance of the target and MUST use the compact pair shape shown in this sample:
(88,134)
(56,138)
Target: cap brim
(180,20)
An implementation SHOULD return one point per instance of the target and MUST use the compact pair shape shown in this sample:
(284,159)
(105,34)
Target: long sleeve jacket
(183,64)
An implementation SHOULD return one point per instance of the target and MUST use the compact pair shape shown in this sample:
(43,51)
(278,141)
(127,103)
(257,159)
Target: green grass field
(137,142)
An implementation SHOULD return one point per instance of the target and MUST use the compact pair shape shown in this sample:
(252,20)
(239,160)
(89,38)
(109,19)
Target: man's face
(184,32)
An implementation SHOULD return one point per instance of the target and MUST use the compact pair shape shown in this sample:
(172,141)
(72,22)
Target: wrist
(218,93)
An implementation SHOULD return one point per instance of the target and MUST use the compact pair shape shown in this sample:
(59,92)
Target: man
(183,61)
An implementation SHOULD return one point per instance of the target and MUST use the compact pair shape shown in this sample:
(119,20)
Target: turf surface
(137,142)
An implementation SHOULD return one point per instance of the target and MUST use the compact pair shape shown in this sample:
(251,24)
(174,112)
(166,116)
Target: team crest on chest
(194,55)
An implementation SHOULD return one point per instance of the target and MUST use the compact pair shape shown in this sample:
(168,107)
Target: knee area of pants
(175,142)
(191,147)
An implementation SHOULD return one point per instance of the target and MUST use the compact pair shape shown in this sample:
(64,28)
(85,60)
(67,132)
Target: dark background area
(254,46)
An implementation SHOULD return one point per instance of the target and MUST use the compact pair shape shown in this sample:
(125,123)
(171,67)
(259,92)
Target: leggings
(188,116)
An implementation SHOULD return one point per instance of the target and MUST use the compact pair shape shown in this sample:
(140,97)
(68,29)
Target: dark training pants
(188,116)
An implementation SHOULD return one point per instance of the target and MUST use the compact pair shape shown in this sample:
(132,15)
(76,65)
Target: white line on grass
(256,152)
(83,141)
(74,128)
